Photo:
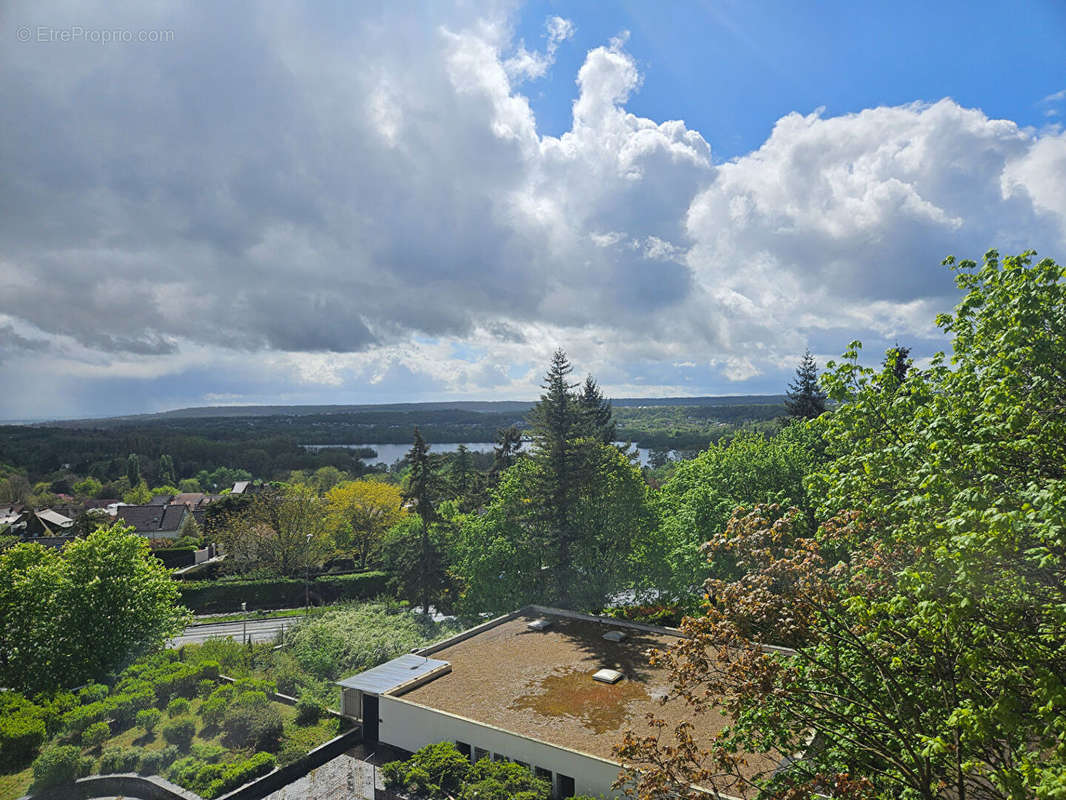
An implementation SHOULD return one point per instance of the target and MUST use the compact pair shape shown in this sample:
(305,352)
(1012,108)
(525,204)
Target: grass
(15,784)
(252,616)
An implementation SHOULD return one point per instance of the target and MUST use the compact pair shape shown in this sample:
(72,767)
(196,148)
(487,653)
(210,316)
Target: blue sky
(399,201)
(732,69)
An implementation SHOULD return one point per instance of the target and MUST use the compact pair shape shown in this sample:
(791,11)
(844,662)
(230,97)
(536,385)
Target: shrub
(177,707)
(148,718)
(21,734)
(205,687)
(96,734)
(208,752)
(179,733)
(153,762)
(241,772)
(59,765)
(93,693)
(255,726)
(125,707)
(308,711)
(437,770)
(80,718)
(222,596)
(120,759)
(213,711)
(503,780)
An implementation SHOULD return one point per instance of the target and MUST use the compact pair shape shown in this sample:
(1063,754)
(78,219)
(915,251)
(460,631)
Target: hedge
(20,736)
(227,596)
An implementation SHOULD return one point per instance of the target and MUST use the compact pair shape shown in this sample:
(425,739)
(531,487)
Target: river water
(390,453)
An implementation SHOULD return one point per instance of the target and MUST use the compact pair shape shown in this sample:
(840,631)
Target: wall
(125,785)
(410,727)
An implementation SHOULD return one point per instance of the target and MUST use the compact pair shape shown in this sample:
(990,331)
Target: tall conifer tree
(805,398)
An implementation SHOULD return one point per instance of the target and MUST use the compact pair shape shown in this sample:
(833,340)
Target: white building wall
(411,727)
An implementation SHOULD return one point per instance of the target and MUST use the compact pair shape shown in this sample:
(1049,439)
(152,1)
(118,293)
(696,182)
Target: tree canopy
(73,615)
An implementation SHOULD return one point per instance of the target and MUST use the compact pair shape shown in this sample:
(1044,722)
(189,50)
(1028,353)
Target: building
(45,524)
(155,522)
(553,690)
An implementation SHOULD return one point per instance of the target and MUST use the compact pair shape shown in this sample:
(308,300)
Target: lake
(390,453)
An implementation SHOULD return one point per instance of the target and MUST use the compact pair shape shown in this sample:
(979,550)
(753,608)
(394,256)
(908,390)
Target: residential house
(553,690)
(155,522)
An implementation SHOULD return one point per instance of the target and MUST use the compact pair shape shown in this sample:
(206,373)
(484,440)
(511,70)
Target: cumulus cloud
(333,201)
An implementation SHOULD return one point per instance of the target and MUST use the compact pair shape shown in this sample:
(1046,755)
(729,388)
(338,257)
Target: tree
(596,410)
(926,611)
(363,511)
(508,448)
(419,493)
(167,476)
(133,469)
(805,398)
(463,474)
(285,530)
(898,359)
(71,616)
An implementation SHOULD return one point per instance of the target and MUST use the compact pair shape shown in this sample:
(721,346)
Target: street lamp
(244,632)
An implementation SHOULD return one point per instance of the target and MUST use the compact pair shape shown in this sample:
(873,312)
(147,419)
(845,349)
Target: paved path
(258,630)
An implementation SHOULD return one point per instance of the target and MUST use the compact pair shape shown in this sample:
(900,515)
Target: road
(259,630)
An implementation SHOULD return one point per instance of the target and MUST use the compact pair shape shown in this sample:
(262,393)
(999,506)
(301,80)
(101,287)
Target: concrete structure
(509,690)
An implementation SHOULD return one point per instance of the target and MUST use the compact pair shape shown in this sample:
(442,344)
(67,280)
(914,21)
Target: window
(463,748)
(546,774)
(480,754)
(564,786)
(499,757)
(522,764)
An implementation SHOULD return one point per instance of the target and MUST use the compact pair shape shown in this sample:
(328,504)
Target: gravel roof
(539,684)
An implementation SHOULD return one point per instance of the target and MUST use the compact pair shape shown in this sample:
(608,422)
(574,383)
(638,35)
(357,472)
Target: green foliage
(120,759)
(59,765)
(699,498)
(148,718)
(345,640)
(805,398)
(93,693)
(209,780)
(177,707)
(252,721)
(308,711)
(179,733)
(436,771)
(80,718)
(21,734)
(77,614)
(154,762)
(96,734)
(209,597)
(503,780)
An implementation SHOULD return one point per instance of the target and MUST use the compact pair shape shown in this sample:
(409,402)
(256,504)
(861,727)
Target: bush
(177,707)
(96,734)
(308,711)
(58,765)
(212,780)
(226,596)
(205,687)
(148,718)
(503,780)
(127,706)
(437,770)
(21,734)
(213,710)
(93,693)
(208,752)
(80,718)
(179,733)
(120,759)
(153,762)
(252,725)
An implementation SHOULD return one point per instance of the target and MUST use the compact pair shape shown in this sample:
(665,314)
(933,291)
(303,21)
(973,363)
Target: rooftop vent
(607,676)
(539,624)
(614,636)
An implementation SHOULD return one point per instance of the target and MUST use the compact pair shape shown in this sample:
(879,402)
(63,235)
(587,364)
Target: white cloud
(317,207)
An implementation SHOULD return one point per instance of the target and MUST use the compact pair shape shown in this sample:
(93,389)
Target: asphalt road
(259,630)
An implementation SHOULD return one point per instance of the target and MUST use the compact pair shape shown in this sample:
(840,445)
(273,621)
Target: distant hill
(475,406)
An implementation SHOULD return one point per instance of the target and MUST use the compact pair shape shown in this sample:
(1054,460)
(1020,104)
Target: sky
(239,203)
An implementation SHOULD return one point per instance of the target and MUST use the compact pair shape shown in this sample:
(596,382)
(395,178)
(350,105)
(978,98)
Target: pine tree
(805,398)
(556,421)
(596,410)
(508,447)
(419,493)
(898,358)
(166,471)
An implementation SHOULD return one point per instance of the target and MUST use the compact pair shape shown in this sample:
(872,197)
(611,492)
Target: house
(240,487)
(553,690)
(10,513)
(40,524)
(155,522)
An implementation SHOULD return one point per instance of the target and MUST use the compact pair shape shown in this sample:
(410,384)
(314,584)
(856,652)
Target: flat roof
(539,684)
(392,674)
